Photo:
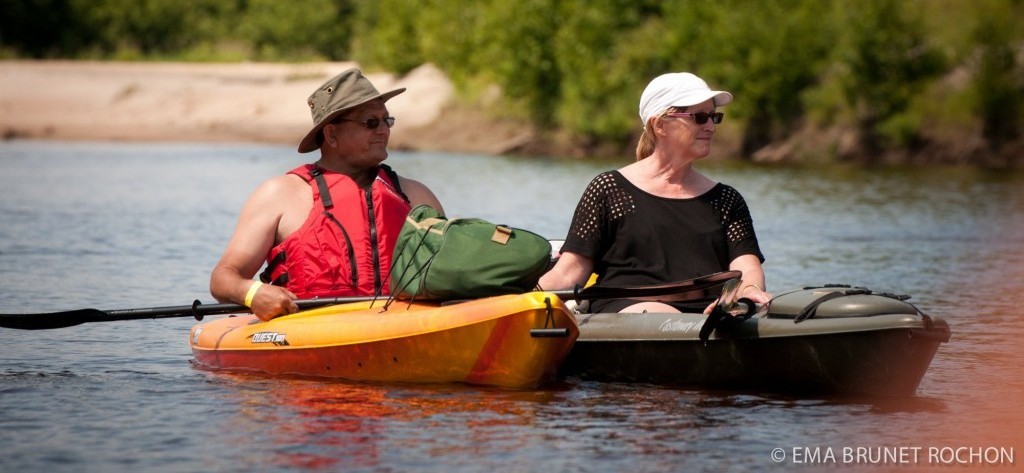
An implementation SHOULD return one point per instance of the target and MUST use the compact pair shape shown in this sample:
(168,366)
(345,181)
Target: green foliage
(579,66)
(453,37)
(999,86)
(312,29)
(146,27)
(887,62)
(386,35)
(155,29)
(519,35)
(604,53)
(792,42)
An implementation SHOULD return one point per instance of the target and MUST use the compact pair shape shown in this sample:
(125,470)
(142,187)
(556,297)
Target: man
(325,229)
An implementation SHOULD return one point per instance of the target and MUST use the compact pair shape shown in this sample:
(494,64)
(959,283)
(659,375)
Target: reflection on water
(318,423)
(121,226)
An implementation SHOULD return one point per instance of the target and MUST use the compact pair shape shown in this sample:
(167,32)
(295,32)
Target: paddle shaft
(197,309)
(691,289)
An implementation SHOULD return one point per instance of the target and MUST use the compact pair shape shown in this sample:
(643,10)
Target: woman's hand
(749,291)
(756,294)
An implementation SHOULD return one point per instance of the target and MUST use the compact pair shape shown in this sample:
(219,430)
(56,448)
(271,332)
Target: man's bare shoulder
(406,182)
(419,193)
(281,186)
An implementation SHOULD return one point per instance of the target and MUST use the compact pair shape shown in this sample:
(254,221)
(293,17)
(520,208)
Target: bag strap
(426,224)
(401,277)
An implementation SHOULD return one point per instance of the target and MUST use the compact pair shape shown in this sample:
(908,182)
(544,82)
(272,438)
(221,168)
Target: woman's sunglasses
(372,123)
(700,118)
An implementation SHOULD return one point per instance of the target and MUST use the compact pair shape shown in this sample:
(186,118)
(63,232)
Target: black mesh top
(636,238)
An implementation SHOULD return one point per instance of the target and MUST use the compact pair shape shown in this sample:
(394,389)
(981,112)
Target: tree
(999,85)
(887,61)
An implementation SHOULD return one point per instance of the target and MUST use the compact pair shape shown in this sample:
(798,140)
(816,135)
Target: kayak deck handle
(549,332)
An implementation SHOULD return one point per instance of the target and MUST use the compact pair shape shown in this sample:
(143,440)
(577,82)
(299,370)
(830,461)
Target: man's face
(352,139)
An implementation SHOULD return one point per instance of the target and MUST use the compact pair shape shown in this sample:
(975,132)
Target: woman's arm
(570,269)
(753,286)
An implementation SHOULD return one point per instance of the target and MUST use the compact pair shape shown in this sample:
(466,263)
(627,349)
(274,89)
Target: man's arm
(255,233)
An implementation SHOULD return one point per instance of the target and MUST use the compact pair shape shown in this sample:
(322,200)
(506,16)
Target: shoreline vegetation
(877,82)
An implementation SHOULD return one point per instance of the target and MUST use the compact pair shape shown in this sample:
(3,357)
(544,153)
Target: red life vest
(342,250)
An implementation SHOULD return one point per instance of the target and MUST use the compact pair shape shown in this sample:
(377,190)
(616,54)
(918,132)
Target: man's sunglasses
(372,123)
(700,118)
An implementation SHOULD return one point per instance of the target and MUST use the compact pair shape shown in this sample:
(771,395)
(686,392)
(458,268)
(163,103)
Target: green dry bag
(440,259)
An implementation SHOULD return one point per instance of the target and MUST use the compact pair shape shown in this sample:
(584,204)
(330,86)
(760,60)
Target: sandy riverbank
(266,103)
(248,102)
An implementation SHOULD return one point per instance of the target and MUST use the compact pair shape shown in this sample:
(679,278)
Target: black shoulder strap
(394,180)
(325,192)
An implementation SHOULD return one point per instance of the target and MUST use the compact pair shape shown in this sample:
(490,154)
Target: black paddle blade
(710,324)
(50,320)
(728,299)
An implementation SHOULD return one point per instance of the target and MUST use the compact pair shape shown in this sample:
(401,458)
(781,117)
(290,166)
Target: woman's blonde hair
(648,141)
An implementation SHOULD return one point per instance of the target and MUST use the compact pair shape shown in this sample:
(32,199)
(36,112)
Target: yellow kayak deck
(491,341)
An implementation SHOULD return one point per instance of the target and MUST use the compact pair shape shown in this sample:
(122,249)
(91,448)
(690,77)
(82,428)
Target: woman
(658,220)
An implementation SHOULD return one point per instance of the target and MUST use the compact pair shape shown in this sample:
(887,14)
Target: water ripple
(124,396)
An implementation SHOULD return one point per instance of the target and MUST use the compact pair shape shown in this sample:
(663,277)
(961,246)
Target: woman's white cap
(677,89)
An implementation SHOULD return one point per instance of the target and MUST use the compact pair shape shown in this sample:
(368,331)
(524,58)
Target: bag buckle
(501,234)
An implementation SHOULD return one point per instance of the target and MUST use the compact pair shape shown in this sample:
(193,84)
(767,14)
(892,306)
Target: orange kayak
(513,341)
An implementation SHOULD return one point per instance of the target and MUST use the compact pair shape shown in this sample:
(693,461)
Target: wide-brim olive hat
(343,92)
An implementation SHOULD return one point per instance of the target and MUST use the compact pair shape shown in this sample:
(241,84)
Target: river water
(116,226)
